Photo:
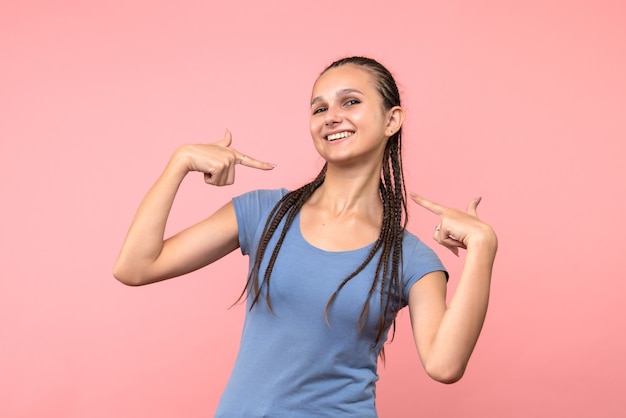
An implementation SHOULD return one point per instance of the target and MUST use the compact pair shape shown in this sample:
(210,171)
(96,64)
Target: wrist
(484,241)
(180,162)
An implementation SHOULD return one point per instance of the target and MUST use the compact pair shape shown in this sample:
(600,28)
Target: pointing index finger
(254,163)
(435,208)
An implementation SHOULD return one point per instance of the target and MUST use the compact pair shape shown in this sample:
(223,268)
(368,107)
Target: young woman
(331,263)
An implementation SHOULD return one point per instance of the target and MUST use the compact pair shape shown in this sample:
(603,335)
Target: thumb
(226,140)
(473,205)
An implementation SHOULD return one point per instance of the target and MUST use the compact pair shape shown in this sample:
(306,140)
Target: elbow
(127,277)
(446,374)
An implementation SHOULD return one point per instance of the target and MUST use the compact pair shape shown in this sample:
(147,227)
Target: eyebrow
(341,92)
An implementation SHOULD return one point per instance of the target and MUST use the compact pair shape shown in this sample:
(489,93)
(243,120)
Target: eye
(352,102)
(319,110)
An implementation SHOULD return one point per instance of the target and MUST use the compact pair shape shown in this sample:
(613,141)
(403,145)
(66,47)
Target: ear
(395,118)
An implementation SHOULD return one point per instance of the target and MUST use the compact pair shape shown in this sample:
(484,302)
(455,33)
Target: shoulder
(411,244)
(259,199)
(251,210)
(415,251)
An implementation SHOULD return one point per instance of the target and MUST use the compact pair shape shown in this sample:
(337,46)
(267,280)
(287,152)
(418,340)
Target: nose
(332,116)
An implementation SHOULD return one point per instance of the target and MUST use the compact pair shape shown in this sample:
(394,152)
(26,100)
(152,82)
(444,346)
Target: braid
(288,206)
(389,242)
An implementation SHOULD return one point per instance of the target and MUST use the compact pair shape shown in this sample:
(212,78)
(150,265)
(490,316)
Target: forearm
(463,319)
(144,240)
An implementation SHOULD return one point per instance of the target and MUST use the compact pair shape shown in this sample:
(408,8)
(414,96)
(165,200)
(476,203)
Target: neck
(346,190)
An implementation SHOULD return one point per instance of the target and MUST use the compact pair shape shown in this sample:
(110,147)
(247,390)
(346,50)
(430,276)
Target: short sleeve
(418,260)
(252,210)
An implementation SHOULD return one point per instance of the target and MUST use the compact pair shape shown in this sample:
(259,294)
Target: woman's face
(348,123)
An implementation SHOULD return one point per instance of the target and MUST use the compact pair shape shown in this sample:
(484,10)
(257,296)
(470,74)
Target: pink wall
(523,103)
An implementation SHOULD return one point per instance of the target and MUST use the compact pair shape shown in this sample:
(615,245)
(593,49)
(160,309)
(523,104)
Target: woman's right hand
(216,160)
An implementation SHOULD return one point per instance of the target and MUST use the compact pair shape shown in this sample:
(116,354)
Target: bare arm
(146,257)
(445,336)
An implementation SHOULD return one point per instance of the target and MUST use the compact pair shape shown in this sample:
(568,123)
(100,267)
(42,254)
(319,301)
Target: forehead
(347,76)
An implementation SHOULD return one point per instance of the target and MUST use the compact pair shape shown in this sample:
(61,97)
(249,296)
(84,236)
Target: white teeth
(339,135)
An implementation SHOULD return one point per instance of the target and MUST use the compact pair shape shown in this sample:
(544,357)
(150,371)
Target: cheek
(314,125)
(365,122)
(318,144)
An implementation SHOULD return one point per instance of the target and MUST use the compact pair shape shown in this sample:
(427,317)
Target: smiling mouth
(339,135)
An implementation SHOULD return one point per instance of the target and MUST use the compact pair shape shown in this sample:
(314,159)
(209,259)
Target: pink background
(522,102)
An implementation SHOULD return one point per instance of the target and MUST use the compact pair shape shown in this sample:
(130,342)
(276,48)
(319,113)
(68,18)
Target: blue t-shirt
(292,363)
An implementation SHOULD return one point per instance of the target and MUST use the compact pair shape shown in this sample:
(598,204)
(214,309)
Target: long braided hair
(389,242)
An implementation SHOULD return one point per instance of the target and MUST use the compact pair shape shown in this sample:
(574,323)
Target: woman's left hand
(458,229)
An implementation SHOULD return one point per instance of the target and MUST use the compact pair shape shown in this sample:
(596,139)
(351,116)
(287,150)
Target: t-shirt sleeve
(252,210)
(419,260)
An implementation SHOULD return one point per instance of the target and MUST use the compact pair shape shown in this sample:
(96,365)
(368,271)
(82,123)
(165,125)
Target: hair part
(393,196)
